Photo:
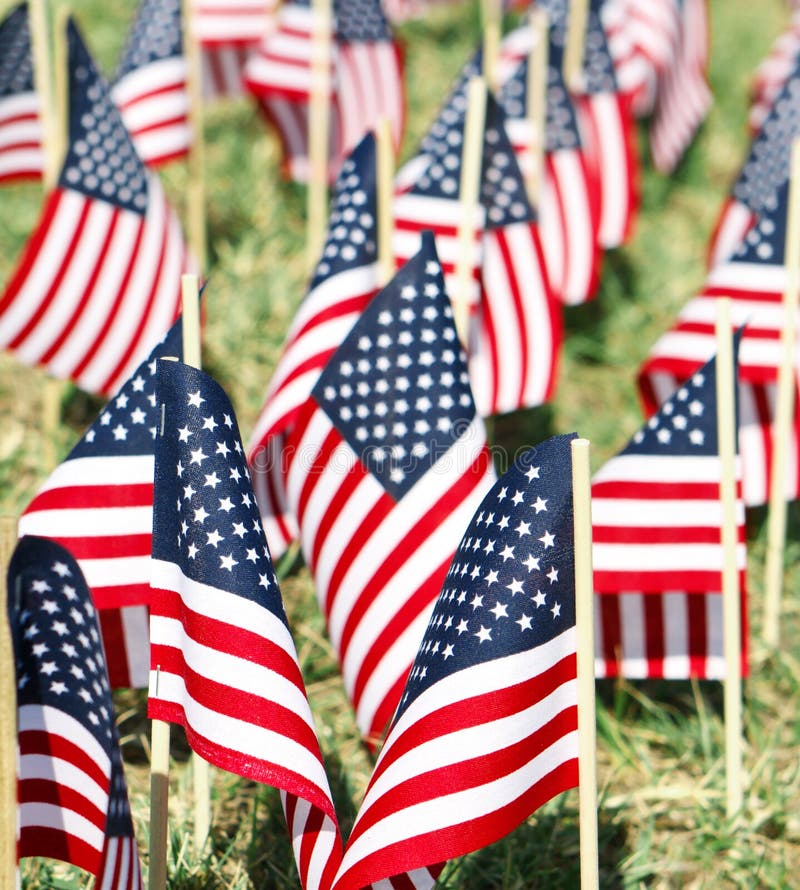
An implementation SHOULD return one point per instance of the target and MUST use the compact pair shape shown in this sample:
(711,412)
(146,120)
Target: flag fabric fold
(21,155)
(386,464)
(345,280)
(98,282)
(223,662)
(657,548)
(73,800)
(98,504)
(486,728)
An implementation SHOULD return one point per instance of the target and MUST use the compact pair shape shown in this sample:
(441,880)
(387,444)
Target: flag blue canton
(351,240)
(16,61)
(360,21)
(59,653)
(156,35)
(686,423)
(766,169)
(598,66)
(561,125)
(766,239)
(206,520)
(119,822)
(101,161)
(397,388)
(502,187)
(511,584)
(128,423)
(443,141)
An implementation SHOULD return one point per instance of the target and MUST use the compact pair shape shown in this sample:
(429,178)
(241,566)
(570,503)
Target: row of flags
(374,459)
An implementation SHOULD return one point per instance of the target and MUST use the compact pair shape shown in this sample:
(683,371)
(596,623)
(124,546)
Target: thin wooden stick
(56,149)
(196,160)
(43,81)
(8,721)
(784,408)
(319,114)
(536,89)
(385,199)
(190,308)
(491,15)
(469,192)
(159,801)
(575,43)
(731,602)
(584,627)
(192,350)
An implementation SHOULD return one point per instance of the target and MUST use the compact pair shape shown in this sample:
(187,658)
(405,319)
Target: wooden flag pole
(784,409)
(55,135)
(319,122)
(385,200)
(159,801)
(43,82)
(584,628)
(196,160)
(491,15)
(536,89)
(731,595)
(469,192)
(192,355)
(575,43)
(8,721)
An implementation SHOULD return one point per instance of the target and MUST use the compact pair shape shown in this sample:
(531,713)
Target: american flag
(755,279)
(20,128)
(516,339)
(569,202)
(605,119)
(72,794)
(99,505)
(223,662)
(773,72)
(657,550)
(366,82)
(99,279)
(764,172)
(345,280)
(487,727)
(386,463)
(150,84)
(228,32)
(684,96)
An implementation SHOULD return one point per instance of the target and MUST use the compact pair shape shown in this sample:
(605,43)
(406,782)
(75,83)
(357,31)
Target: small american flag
(773,72)
(150,85)
(516,339)
(487,727)
(764,172)
(366,79)
(99,280)
(569,204)
(20,128)
(223,663)
(657,550)
(345,280)
(386,463)
(72,793)
(99,505)
(755,279)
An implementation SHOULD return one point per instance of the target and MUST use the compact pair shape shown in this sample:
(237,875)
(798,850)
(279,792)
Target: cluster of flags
(371,450)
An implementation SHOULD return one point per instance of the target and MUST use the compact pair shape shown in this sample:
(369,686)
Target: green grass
(660,745)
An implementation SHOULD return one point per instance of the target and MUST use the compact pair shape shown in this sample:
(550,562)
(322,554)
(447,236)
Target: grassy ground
(661,766)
